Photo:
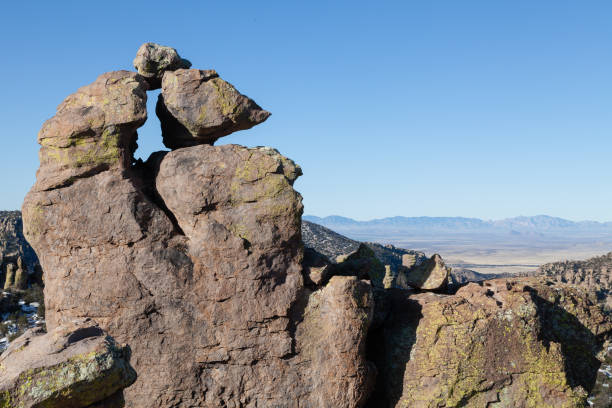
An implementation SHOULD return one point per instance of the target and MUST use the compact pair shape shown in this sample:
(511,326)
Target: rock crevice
(193,257)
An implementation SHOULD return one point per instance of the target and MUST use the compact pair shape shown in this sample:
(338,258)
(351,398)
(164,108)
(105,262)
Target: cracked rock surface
(501,343)
(193,257)
(75,366)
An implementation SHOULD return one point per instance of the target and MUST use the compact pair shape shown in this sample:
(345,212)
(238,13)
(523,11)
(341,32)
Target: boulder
(197,107)
(501,343)
(152,60)
(361,263)
(331,341)
(9,280)
(70,367)
(317,267)
(431,274)
(93,130)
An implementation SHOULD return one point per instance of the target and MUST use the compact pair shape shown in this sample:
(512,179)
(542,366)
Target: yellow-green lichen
(225,100)
(82,380)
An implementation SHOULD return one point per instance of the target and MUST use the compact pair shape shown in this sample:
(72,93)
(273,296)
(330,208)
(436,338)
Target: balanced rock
(197,107)
(152,60)
(431,274)
(193,257)
(504,343)
(74,366)
(93,130)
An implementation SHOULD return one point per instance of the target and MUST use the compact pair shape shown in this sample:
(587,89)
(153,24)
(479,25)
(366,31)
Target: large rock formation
(73,366)
(504,343)
(13,246)
(193,258)
(594,274)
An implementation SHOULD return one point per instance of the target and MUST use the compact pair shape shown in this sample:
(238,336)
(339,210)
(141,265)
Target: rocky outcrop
(594,274)
(197,107)
(361,263)
(332,245)
(13,246)
(9,279)
(21,275)
(498,344)
(193,258)
(68,367)
(152,60)
(431,274)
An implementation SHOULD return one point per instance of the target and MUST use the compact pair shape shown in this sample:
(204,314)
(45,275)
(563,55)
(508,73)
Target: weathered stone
(361,263)
(73,366)
(317,268)
(389,280)
(93,130)
(504,343)
(194,258)
(431,274)
(12,242)
(332,340)
(9,280)
(197,107)
(152,60)
(21,275)
(409,260)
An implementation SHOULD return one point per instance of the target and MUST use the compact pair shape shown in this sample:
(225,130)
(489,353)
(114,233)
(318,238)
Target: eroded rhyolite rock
(331,339)
(152,60)
(431,274)
(93,130)
(197,107)
(317,267)
(362,263)
(194,258)
(74,366)
(504,343)
(9,280)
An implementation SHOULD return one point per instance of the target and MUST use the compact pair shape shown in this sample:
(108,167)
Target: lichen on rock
(496,344)
(69,367)
(197,107)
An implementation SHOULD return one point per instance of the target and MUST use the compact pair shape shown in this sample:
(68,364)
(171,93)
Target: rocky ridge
(18,261)
(194,260)
(594,274)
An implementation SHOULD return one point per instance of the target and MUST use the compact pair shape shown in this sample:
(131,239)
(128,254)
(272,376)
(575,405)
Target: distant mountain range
(539,224)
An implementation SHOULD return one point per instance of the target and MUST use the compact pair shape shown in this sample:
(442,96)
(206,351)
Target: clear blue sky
(488,109)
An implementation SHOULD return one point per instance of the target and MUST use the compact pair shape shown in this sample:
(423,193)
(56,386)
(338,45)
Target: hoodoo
(182,281)
(192,258)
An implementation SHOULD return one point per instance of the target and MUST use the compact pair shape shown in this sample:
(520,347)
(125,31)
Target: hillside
(332,245)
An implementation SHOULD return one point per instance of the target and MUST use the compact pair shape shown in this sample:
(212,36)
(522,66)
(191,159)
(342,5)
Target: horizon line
(457,216)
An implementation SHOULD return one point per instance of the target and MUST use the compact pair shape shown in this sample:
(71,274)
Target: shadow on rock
(579,345)
(390,341)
